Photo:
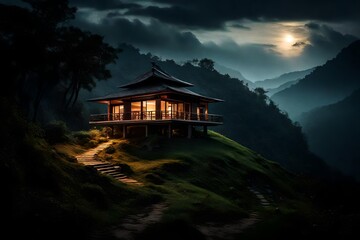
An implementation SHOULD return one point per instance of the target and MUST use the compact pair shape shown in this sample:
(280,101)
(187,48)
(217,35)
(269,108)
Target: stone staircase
(89,158)
(263,201)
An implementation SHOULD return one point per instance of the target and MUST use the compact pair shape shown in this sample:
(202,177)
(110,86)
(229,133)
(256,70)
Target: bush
(110,150)
(106,131)
(82,137)
(56,132)
(124,168)
(102,139)
(91,144)
(95,134)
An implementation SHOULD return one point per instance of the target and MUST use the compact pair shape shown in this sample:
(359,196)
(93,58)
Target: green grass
(204,179)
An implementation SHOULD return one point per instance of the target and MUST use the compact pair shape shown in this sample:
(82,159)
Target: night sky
(260,39)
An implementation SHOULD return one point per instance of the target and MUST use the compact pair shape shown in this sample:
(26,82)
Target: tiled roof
(156,73)
(130,92)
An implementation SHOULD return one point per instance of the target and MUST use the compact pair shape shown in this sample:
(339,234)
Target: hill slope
(211,181)
(327,84)
(282,79)
(249,119)
(50,193)
(333,132)
(272,91)
(233,73)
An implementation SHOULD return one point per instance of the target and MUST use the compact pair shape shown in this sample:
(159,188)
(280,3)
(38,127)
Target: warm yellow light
(289,38)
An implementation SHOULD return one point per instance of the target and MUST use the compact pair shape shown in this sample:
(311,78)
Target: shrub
(106,131)
(124,168)
(56,132)
(102,139)
(82,137)
(91,144)
(110,150)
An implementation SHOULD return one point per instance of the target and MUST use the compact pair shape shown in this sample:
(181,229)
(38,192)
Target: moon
(289,38)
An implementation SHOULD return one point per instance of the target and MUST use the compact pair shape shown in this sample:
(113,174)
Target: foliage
(40,54)
(44,193)
(56,132)
(207,63)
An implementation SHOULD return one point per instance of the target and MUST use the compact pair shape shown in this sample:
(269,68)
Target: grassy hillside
(210,180)
(47,194)
(207,179)
(215,171)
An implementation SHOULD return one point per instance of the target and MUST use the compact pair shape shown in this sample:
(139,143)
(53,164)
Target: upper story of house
(158,97)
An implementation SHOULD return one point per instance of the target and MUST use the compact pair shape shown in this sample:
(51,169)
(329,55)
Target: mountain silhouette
(282,79)
(333,133)
(327,84)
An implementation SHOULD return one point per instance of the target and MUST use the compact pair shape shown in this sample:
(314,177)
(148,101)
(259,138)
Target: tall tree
(40,52)
(207,64)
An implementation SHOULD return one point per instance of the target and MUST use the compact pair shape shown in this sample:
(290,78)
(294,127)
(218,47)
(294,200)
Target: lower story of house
(158,115)
(167,129)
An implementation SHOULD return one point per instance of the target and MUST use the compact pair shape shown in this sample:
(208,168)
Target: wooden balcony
(155,117)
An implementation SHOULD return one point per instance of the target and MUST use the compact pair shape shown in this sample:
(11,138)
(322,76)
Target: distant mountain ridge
(272,91)
(282,79)
(327,84)
(333,133)
(233,73)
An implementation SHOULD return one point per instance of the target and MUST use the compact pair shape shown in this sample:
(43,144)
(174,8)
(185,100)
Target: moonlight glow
(289,39)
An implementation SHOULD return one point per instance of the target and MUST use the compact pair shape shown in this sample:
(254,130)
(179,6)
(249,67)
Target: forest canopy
(41,54)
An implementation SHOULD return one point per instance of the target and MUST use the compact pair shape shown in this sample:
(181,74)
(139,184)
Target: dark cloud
(255,61)
(14,2)
(324,44)
(103,4)
(154,36)
(240,26)
(113,14)
(299,44)
(212,14)
(169,43)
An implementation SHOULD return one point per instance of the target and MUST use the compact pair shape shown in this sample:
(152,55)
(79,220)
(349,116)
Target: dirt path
(89,158)
(229,231)
(138,222)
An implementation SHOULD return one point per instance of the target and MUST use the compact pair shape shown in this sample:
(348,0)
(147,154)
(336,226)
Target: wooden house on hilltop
(156,102)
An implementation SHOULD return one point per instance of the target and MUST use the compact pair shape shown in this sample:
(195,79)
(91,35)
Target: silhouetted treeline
(42,58)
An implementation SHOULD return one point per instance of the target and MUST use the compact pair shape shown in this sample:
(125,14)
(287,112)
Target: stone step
(107,168)
(101,164)
(120,175)
(113,170)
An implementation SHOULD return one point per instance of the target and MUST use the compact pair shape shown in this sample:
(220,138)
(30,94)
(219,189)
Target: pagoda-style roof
(158,76)
(155,81)
(162,89)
